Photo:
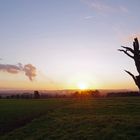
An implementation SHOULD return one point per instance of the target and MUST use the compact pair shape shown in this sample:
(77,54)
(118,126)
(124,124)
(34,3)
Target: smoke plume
(28,69)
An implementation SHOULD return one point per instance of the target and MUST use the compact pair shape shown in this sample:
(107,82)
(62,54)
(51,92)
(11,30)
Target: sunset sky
(70,42)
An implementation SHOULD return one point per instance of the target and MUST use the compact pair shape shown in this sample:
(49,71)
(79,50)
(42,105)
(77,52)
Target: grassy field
(70,119)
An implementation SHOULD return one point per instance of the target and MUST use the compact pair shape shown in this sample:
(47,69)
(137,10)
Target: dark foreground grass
(73,119)
(16,113)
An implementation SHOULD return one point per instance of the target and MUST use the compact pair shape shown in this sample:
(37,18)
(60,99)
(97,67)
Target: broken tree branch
(134,78)
(126,53)
(128,49)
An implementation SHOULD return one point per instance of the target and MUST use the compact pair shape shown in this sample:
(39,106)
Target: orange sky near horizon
(67,43)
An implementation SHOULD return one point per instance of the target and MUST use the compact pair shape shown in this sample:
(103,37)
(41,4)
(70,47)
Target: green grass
(71,119)
(15,113)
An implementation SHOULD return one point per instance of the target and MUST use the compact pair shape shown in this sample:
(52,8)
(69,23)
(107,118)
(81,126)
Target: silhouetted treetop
(135,55)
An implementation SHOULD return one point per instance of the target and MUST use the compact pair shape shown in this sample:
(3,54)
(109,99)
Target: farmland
(70,118)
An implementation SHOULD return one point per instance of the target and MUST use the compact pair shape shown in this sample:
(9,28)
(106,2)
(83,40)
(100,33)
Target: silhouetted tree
(135,55)
(95,93)
(36,94)
(17,96)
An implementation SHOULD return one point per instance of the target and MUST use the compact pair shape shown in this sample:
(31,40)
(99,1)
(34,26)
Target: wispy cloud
(28,69)
(13,69)
(88,17)
(123,9)
(101,6)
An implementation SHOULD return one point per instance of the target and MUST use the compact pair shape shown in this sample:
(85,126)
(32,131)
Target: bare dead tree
(135,55)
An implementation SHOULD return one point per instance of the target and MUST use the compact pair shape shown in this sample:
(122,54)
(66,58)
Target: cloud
(9,68)
(88,17)
(97,5)
(124,9)
(100,6)
(28,69)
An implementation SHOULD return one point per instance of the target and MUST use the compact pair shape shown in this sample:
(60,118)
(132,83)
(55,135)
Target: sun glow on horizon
(82,85)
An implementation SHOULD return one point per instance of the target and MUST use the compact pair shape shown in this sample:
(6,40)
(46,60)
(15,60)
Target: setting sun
(82,85)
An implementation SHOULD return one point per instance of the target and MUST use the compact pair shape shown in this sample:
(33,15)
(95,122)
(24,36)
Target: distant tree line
(26,95)
(38,95)
(77,94)
(122,94)
(87,93)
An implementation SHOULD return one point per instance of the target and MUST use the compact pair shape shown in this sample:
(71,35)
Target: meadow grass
(17,112)
(71,119)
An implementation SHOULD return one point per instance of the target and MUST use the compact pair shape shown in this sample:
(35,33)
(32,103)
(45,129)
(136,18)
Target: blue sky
(69,41)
